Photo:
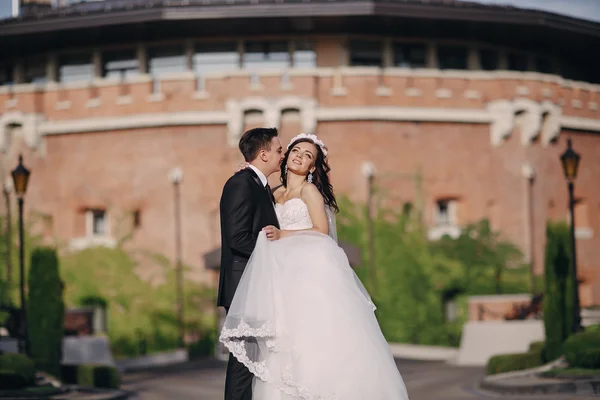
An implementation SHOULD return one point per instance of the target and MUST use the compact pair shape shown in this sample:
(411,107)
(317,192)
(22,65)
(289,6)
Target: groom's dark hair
(255,140)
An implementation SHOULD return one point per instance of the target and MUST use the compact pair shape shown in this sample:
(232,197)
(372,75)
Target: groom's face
(274,155)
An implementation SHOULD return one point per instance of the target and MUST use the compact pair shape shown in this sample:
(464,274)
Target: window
(137,218)
(6,74)
(35,70)
(489,59)
(452,57)
(304,55)
(216,57)
(445,212)
(367,53)
(166,59)
(544,65)
(410,55)
(517,62)
(99,225)
(266,55)
(120,64)
(75,67)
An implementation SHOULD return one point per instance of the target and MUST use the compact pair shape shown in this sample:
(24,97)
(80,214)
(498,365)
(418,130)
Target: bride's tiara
(311,137)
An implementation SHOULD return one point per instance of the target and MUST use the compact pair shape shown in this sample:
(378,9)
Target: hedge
(45,310)
(100,376)
(16,371)
(582,350)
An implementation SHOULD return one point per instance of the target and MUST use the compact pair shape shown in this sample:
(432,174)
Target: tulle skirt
(304,325)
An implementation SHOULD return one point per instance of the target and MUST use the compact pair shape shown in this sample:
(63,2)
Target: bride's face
(302,158)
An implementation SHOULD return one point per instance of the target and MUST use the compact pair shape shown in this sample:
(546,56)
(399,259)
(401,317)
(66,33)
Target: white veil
(331,223)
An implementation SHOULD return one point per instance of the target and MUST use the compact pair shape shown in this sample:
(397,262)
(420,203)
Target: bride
(300,320)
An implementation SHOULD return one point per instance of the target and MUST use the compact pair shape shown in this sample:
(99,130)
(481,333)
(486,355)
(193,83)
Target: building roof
(118,21)
(91,13)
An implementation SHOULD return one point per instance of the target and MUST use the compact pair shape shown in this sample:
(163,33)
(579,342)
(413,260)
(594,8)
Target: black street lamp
(20,177)
(369,171)
(176,176)
(570,163)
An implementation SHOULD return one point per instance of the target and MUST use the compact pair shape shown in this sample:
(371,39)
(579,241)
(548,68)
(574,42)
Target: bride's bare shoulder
(310,192)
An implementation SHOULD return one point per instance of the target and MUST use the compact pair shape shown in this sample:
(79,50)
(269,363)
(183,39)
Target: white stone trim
(579,123)
(403,114)
(11,103)
(132,122)
(472,94)
(584,232)
(155,98)
(124,100)
(503,120)
(443,93)
(522,90)
(94,103)
(29,127)
(547,92)
(551,117)
(592,105)
(63,105)
(413,92)
(437,232)
(383,91)
(528,119)
(576,103)
(203,95)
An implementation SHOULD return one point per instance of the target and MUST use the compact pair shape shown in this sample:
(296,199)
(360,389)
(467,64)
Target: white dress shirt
(261,176)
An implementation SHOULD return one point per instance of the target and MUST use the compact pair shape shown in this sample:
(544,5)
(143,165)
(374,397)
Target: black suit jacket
(246,207)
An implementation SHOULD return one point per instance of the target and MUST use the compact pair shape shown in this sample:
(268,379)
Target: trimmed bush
(558,289)
(91,376)
(46,310)
(537,347)
(582,350)
(16,371)
(514,362)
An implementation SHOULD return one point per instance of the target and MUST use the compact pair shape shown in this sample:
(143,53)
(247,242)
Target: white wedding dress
(303,323)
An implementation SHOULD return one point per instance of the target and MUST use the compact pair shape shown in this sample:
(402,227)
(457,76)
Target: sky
(584,9)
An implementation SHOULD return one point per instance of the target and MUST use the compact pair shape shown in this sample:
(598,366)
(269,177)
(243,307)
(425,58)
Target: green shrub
(16,371)
(513,362)
(203,347)
(91,376)
(537,347)
(582,350)
(46,310)
(558,293)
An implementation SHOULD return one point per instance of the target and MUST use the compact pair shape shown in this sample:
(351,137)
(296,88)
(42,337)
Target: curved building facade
(462,109)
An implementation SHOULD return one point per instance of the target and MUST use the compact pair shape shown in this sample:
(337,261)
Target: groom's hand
(272,232)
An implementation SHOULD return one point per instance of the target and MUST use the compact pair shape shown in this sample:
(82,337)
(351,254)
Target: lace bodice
(293,215)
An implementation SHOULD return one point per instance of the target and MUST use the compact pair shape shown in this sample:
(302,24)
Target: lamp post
(529,174)
(20,177)
(369,171)
(570,163)
(6,189)
(176,176)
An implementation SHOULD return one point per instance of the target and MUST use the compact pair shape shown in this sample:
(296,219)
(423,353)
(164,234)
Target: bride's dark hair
(320,174)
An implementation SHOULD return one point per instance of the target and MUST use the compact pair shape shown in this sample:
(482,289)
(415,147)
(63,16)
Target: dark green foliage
(414,276)
(205,346)
(45,310)
(99,376)
(558,289)
(582,350)
(16,371)
(514,362)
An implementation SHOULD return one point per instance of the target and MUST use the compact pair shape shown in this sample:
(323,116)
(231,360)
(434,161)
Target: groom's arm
(237,212)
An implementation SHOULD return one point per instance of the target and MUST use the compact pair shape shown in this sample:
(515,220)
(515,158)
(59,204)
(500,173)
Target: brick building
(462,108)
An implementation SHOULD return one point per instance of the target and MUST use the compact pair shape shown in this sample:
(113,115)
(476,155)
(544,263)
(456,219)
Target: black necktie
(269,192)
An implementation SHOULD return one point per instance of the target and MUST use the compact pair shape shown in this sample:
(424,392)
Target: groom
(246,207)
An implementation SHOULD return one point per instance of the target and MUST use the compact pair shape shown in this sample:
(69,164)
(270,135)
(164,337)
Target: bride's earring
(309,177)
(285,170)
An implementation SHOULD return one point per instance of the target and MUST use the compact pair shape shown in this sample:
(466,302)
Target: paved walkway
(424,380)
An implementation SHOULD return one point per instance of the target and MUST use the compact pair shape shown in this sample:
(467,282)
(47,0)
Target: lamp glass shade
(20,177)
(570,162)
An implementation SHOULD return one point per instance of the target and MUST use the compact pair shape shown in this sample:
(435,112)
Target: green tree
(558,289)
(45,310)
